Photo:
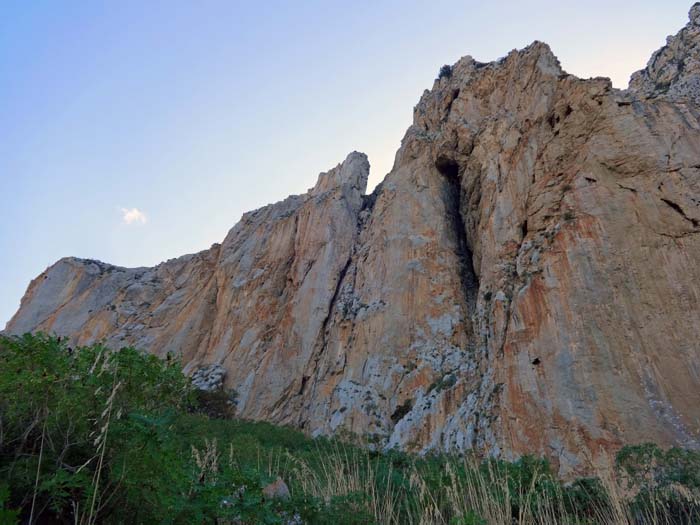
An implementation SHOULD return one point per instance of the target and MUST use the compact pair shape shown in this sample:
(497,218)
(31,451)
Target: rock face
(524,280)
(209,378)
(673,72)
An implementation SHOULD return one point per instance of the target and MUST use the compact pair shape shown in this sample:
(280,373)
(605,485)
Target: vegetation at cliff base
(89,435)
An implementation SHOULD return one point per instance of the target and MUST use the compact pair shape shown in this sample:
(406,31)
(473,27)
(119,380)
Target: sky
(133,132)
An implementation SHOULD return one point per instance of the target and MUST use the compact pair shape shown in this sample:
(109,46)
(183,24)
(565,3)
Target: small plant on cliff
(447,381)
(445,71)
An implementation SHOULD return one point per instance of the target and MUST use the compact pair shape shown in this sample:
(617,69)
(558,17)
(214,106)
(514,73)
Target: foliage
(666,483)
(217,404)
(586,497)
(443,383)
(89,435)
(67,422)
(445,71)
(470,518)
(7,516)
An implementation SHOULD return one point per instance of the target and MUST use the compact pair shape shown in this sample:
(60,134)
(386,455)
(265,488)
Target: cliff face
(525,280)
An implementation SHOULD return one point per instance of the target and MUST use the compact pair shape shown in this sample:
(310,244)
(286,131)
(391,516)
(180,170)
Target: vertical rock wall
(525,280)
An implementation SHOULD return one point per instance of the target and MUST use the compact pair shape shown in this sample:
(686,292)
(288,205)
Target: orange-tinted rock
(525,280)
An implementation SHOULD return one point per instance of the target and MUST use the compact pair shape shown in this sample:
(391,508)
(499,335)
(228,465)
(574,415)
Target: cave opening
(454,206)
(448,167)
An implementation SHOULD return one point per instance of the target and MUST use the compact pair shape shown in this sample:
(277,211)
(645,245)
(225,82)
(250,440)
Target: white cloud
(133,215)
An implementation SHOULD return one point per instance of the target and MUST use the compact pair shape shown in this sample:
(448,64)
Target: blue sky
(133,131)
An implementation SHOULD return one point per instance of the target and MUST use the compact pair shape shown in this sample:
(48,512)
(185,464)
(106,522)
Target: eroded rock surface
(209,378)
(525,280)
(673,72)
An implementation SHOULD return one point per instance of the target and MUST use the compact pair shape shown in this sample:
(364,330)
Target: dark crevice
(680,211)
(313,365)
(627,188)
(523,229)
(452,98)
(449,168)
(401,411)
(304,380)
(454,207)
(368,201)
(331,305)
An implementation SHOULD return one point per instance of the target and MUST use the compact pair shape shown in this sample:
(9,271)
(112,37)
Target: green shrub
(67,419)
(7,516)
(97,436)
(217,404)
(586,498)
(666,483)
(471,518)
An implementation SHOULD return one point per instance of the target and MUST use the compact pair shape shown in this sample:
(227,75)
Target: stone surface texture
(526,279)
(209,378)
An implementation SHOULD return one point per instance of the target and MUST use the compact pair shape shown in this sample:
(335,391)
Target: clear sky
(137,131)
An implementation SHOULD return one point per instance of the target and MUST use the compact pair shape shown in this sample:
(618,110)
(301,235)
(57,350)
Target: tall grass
(473,492)
(92,436)
(343,472)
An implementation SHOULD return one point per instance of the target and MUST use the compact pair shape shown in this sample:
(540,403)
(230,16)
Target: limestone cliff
(526,279)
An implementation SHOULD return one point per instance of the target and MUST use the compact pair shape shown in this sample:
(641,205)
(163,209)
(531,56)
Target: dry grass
(486,495)
(342,473)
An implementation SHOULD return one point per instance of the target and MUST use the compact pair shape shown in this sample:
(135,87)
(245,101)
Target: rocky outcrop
(673,72)
(525,280)
(276,490)
(209,378)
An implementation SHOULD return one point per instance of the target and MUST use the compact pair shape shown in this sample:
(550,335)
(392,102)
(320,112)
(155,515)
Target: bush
(217,404)
(445,72)
(71,426)
(586,498)
(665,483)
(7,516)
(95,436)
(91,435)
